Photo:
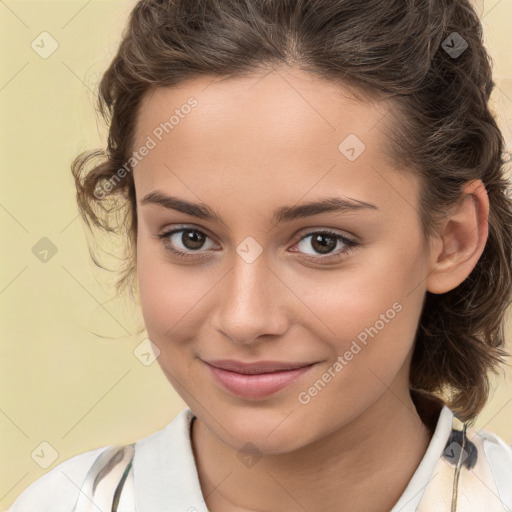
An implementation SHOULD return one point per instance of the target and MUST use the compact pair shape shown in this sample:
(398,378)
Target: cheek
(369,315)
(169,293)
(354,299)
(373,335)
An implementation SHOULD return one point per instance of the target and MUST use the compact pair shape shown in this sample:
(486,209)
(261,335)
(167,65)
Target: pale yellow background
(59,382)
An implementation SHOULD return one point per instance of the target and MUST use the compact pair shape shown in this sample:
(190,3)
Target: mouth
(256,380)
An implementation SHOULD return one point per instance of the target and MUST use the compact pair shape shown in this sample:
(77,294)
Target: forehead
(278,105)
(265,134)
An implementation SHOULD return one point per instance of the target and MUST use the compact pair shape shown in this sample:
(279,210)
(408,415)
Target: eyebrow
(281,214)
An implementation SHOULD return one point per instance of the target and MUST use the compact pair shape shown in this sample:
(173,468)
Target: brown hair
(444,131)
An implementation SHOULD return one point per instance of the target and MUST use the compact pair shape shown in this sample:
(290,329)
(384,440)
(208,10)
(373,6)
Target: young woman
(318,222)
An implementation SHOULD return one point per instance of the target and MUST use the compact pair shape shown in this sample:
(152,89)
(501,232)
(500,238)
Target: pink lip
(256,380)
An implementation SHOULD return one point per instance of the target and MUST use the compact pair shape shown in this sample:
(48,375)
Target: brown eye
(192,239)
(184,242)
(188,243)
(324,243)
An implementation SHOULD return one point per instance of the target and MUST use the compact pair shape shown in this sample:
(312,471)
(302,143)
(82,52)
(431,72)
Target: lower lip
(257,385)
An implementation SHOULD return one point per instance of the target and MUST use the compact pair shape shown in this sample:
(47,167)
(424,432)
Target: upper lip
(255,367)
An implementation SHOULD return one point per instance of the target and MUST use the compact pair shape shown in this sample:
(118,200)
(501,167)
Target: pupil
(192,239)
(324,247)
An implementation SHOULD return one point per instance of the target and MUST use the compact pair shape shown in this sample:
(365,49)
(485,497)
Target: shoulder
(102,474)
(57,490)
(95,475)
(487,470)
(496,452)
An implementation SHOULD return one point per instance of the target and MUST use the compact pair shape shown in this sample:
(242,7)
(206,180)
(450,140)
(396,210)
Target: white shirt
(163,476)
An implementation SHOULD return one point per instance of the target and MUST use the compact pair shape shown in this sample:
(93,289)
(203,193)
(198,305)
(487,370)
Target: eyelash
(350,244)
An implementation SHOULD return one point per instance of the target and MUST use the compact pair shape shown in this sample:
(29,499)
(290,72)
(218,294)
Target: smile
(258,380)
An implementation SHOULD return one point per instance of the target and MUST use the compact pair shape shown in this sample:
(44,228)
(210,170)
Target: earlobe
(462,241)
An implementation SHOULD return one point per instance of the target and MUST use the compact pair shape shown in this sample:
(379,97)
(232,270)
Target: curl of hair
(443,130)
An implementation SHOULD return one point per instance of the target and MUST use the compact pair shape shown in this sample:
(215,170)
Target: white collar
(165,475)
(164,470)
(411,497)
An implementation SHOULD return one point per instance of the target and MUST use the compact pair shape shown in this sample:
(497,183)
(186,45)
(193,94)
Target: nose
(253,302)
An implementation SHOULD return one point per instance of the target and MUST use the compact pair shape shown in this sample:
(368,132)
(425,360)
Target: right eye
(191,240)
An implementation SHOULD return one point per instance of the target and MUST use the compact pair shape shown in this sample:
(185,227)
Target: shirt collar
(164,471)
(413,493)
(166,478)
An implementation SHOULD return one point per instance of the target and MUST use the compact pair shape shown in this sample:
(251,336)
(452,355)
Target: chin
(272,431)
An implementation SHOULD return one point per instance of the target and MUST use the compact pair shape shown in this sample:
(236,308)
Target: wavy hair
(444,132)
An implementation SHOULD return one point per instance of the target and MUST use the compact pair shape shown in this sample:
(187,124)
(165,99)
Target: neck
(380,450)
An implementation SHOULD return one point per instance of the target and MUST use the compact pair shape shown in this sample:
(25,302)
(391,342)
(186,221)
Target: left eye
(192,240)
(324,241)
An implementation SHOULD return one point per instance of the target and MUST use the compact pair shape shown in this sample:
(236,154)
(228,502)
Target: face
(336,291)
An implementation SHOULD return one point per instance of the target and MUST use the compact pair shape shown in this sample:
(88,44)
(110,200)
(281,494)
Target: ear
(463,235)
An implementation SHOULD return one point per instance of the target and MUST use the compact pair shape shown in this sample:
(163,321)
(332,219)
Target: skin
(251,145)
